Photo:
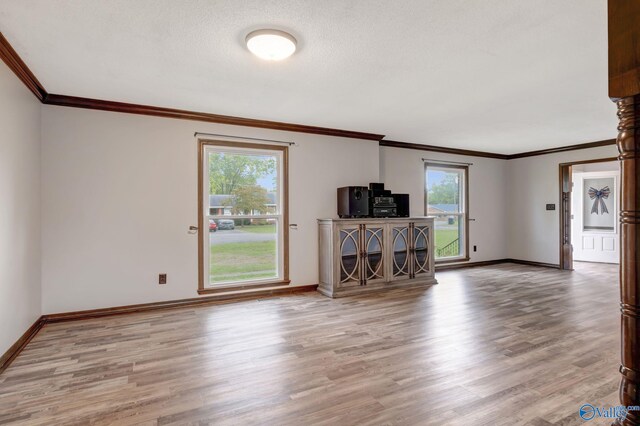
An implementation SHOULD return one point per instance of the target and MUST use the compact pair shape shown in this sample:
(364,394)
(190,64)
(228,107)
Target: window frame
(204,286)
(465,211)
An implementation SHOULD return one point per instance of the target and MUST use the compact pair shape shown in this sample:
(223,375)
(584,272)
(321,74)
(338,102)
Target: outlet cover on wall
(162,279)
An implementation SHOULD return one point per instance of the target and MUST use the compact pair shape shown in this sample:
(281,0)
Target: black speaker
(402,204)
(353,201)
(377,190)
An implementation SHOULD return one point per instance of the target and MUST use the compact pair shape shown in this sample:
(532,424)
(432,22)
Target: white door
(595,206)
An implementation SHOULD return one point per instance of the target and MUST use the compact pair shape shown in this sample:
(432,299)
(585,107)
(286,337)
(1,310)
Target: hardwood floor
(498,345)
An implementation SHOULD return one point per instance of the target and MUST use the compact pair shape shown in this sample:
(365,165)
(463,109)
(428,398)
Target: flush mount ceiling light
(271,45)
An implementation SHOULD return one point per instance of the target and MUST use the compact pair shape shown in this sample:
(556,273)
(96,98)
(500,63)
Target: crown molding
(22,71)
(471,153)
(587,145)
(98,104)
(442,149)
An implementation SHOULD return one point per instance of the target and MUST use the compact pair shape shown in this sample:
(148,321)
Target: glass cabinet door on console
(349,260)
(400,259)
(360,255)
(373,260)
(421,259)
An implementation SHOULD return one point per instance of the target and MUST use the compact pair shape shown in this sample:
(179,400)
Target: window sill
(452,260)
(246,287)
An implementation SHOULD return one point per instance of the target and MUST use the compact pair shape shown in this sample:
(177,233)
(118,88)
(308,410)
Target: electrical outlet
(475,248)
(162,279)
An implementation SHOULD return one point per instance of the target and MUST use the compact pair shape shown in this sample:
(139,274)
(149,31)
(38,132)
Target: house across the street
(222,204)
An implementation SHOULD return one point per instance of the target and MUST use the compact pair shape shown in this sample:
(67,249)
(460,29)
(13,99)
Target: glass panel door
(421,249)
(400,240)
(350,256)
(374,247)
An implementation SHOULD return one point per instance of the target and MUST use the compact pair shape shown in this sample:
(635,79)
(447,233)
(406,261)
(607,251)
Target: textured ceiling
(496,75)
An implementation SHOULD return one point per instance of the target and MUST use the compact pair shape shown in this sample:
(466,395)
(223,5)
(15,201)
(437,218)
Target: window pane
(243,250)
(243,184)
(444,191)
(448,230)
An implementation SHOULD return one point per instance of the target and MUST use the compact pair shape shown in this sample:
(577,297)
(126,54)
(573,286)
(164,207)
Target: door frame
(578,219)
(566,187)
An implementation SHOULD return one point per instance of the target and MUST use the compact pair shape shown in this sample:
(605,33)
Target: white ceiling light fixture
(271,45)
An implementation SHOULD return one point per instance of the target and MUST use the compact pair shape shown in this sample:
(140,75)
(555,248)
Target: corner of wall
(20,220)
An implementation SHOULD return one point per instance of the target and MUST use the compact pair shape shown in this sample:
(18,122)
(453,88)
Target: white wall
(606,166)
(20,212)
(402,171)
(533,182)
(119,192)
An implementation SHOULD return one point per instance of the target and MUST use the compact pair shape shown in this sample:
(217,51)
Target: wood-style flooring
(498,345)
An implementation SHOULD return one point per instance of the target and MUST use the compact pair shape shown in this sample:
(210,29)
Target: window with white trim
(446,200)
(243,214)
